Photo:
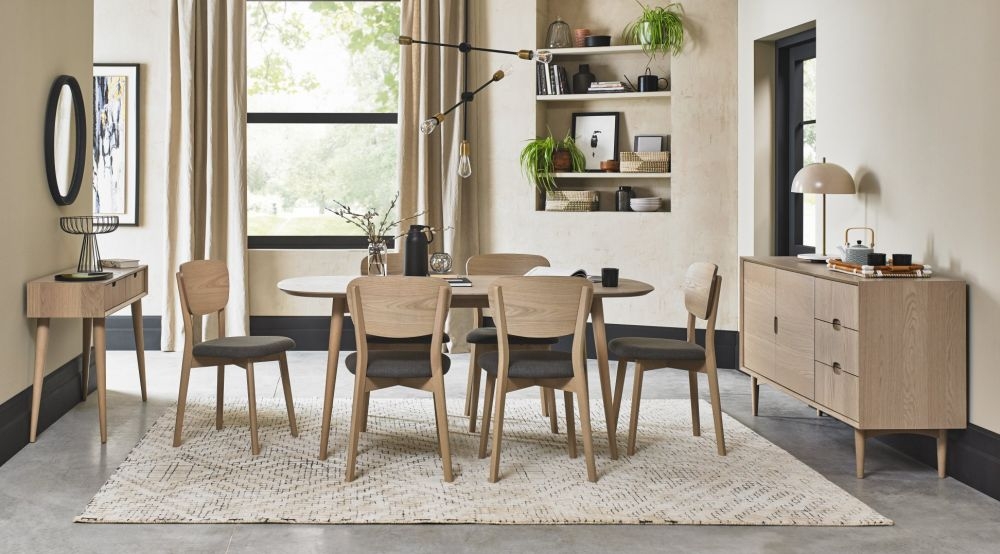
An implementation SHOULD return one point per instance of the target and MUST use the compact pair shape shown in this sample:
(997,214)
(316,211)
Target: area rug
(674,477)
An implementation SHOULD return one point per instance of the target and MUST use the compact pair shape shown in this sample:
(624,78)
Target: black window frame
(317,242)
(791,52)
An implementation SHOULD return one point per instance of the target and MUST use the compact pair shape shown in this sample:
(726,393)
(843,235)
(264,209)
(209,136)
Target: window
(322,90)
(795,110)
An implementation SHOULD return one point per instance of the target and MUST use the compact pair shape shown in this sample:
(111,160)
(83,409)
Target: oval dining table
(476,296)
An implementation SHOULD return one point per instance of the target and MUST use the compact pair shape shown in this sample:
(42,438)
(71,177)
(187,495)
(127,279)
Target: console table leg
(88,331)
(754,395)
(859,453)
(100,354)
(140,347)
(942,452)
(41,340)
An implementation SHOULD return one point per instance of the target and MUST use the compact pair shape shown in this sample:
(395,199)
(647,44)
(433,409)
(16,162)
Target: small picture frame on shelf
(596,134)
(649,143)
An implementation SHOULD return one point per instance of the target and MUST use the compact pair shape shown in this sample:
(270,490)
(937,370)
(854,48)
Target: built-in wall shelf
(601,96)
(611,175)
(594,50)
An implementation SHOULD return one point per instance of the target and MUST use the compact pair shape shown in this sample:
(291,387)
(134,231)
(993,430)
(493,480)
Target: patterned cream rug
(674,478)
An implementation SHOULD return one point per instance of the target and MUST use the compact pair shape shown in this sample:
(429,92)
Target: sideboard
(883,355)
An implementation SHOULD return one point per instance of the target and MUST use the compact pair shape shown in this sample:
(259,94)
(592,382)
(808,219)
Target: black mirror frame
(80,120)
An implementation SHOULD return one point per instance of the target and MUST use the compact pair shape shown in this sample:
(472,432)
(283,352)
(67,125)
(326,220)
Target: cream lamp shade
(822,178)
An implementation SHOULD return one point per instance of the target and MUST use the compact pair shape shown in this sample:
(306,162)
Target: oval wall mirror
(65,140)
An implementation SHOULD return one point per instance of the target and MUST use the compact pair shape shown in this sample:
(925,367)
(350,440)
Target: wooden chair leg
(501,401)
(252,404)
(588,436)
(570,423)
(695,411)
(550,401)
(182,399)
(484,431)
(220,390)
(713,388)
(616,404)
(355,432)
(367,398)
(754,396)
(471,399)
(286,384)
(441,418)
(633,422)
(544,401)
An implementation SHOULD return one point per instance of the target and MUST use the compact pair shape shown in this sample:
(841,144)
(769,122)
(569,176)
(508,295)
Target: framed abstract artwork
(596,134)
(116,141)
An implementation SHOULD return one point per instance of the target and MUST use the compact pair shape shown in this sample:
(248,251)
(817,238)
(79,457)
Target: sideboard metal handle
(836,323)
(836,367)
(775,325)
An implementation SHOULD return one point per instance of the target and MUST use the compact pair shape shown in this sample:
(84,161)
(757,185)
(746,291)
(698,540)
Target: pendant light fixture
(430,124)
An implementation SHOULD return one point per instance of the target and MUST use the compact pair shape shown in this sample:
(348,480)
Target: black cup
(609,276)
(902,259)
(876,259)
(651,83)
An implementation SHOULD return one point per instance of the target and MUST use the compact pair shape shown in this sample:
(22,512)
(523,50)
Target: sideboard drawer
(837,303)
(836,344)
(837,390)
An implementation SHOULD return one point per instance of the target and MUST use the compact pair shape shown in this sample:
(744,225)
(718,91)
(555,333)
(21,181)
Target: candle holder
(89,226)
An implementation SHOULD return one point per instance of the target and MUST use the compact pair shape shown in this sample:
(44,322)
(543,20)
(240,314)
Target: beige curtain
(431,82)
(206,153)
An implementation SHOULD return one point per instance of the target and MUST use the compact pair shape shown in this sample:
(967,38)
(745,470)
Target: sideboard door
(794,342)
(758,318)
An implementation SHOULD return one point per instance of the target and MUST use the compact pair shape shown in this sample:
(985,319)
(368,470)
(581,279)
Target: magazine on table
(544,271)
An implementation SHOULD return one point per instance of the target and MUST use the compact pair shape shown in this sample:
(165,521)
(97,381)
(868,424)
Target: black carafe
(415,255)
(623,199)
(583,79)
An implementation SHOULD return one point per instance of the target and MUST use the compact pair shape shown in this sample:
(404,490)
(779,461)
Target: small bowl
(597,40)
(609,166)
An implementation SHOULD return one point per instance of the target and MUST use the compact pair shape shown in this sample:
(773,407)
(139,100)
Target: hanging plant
(659,30)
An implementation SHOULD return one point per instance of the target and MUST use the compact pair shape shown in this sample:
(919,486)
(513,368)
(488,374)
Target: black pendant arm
(466,47)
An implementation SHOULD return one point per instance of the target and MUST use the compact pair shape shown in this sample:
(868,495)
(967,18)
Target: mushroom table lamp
(823,178)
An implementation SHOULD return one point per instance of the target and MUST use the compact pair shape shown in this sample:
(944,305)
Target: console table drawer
(837,390)
(837,303)
(837,345)
(121,290)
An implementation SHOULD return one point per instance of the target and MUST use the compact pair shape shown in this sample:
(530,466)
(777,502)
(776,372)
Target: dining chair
(701,299)
(394,262)
(204,289)
(538,307)
(398,307)
(483,338)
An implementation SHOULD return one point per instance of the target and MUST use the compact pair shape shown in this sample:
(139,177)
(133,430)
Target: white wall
(126,31)
(907,101)
(39,41)
(658,247)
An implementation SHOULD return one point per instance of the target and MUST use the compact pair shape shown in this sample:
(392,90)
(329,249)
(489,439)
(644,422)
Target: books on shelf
(551,79)
(119,263)
(606,86)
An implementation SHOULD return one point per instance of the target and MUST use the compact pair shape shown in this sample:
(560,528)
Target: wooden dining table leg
(332,360)
(100,353)
(41,341)
(601,349)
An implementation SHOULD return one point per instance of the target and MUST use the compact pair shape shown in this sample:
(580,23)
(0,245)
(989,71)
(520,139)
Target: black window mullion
(323,118)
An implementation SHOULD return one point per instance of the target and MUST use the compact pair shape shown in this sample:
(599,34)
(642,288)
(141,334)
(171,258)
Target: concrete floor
(47,484)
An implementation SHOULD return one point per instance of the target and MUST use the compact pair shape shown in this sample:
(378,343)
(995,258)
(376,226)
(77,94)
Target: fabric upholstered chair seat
(242,347)
(398,364)
(488,335)
(426,339)
(540,364)
(643,348)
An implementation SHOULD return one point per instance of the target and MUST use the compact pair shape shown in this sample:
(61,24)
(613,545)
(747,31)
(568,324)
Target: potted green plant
(659,30)
(542,157)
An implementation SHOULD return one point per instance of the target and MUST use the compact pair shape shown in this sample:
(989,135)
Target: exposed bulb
(464,162)
(428,126)
(544,56)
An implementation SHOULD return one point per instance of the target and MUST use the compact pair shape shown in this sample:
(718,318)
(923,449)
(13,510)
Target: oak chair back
(394,261)
(699,284)
(399,307)
(540,307)
(503,264)
(203,286)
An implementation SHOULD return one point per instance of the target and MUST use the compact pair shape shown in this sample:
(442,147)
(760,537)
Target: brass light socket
(525,54)
(405,40)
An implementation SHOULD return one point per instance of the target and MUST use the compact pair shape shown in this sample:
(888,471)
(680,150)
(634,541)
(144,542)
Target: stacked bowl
(645,204)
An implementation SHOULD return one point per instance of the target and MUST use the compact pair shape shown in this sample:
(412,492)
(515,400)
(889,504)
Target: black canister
(623,199)
(415,255)
(583,79)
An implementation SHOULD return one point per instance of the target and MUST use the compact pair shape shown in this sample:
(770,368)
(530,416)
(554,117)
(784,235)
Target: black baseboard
(973,455)
(60,392)
(313,333)
(121,337)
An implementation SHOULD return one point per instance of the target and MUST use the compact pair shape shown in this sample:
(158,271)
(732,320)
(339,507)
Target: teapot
(856,253)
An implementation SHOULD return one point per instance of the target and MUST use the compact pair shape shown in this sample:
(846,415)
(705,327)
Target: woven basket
(572,201)
(645,162)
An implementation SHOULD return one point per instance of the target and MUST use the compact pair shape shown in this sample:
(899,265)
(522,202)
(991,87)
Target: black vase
(583,79)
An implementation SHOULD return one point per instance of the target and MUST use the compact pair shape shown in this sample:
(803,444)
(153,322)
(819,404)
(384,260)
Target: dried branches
(375,226)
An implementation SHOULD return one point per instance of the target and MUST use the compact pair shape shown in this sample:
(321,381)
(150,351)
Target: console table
(90,301)
(883,355)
